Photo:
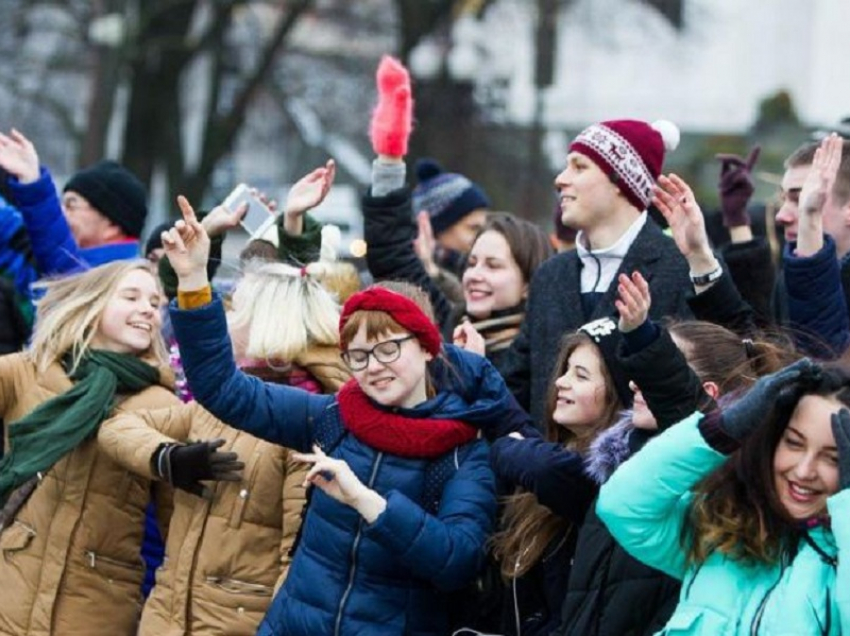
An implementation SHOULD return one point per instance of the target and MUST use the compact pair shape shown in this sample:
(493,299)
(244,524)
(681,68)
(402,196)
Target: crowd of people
(617,428)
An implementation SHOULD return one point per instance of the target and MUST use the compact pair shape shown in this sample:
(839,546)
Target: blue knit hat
(447,196)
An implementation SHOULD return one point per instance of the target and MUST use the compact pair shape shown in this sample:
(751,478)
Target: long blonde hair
(284,309)
(69,314)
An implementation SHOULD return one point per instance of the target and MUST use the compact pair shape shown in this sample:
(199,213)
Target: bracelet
(705,279)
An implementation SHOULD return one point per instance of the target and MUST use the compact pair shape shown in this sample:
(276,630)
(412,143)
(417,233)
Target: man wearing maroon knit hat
(604,193)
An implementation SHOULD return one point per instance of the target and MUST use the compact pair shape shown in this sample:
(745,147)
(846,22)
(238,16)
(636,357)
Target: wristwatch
(705,279)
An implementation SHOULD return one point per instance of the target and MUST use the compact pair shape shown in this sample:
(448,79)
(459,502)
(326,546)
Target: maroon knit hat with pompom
(630,152)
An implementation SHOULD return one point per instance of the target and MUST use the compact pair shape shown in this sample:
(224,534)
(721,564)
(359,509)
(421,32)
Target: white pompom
(331,240)
(669,133)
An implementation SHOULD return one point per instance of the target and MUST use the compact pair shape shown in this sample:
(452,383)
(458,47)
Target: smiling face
(805,463)
(580,400)
(492,279)
(587,195)
(131,319)
(401,382)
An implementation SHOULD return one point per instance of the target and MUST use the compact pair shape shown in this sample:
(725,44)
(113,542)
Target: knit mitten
(392,119)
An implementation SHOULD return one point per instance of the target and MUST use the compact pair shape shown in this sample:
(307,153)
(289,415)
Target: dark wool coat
(554,309)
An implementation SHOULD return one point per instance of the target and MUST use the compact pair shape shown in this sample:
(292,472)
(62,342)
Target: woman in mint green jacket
(749,507)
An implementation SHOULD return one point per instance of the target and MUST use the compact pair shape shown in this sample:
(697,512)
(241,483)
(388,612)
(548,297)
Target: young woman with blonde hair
(228,553)
(72,520)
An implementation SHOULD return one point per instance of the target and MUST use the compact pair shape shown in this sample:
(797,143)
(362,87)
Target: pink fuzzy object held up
(392,119)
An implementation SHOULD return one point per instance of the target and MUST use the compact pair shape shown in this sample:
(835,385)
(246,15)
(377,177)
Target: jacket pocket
(16,538)
(235,586)
(693,619)
(115,569)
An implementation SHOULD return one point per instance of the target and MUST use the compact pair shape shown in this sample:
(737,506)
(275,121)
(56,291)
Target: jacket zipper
(691,582)
(353,570)
(756,624)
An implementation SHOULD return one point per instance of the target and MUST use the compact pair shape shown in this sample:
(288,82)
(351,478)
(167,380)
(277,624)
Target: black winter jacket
(609,593)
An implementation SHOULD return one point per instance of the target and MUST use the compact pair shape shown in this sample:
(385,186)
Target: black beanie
(606,336)
(115,192)
(155,237)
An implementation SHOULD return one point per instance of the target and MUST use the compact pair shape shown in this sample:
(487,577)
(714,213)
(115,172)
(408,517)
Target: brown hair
(805,155)
(528,244)
(736,509)
(523,516)
(721,356)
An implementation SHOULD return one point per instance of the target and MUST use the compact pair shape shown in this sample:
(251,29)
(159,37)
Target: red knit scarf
(422,438)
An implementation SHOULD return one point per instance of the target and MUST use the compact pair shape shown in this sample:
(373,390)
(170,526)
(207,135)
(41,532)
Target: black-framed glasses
(384,352)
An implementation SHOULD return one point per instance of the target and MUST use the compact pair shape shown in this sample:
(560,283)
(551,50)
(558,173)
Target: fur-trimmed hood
(610,449)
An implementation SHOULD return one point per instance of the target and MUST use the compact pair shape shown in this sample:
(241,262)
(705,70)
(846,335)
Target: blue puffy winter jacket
(347,576)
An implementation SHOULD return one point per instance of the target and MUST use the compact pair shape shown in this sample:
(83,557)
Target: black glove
(841,432)
(185,466)
(745,415)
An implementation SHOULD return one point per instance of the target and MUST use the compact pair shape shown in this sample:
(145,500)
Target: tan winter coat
(70,562)
(224,558)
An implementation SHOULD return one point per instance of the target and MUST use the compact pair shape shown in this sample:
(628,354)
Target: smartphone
(258,218)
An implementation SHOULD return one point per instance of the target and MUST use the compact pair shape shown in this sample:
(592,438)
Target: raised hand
(744,416)
(633,303)
(815,193)
(187,247)
(307,193)
(841,431)
(18,157)
(736,187)
(675,200)
(265,199)
(220,220)
(424,244)
(467,337)
(392,119)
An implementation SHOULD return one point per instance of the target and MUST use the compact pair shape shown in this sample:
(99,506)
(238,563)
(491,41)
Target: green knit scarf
(56,427)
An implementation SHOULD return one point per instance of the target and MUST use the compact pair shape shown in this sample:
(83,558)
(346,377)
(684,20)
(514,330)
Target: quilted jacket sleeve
(278,414)
(645,502)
